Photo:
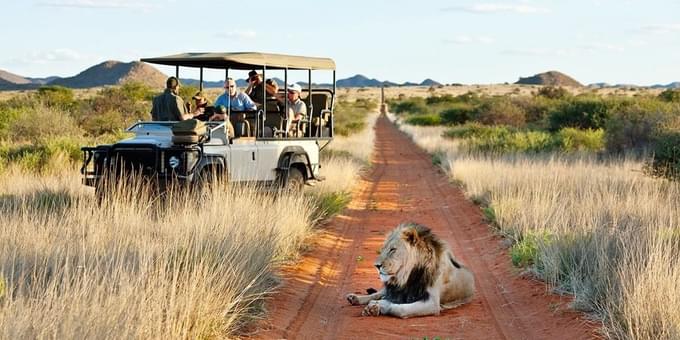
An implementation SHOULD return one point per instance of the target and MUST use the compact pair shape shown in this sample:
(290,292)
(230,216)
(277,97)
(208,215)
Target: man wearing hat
(169,106)
(255,87)
(297,110)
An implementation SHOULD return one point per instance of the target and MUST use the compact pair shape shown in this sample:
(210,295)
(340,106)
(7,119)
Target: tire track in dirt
(403,185)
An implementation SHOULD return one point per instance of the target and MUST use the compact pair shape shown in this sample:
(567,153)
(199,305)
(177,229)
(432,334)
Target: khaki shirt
(167,107)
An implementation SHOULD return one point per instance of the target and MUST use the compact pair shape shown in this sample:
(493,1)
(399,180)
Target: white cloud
(237,35)
(485,8)
(468,40)
(661,28)
(51,56)
(99,4)
(597,46)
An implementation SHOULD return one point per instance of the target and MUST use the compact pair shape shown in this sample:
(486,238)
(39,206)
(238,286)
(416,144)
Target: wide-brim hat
(295,87)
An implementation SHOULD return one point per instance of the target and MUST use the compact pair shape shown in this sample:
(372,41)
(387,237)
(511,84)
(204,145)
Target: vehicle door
(243,160)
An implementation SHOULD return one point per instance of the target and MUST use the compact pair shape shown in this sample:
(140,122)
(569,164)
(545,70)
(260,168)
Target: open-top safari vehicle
(261,150)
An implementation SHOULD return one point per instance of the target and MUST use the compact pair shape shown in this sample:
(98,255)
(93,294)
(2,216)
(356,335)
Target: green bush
(553,92)
(415,105)
(670,95)
(40,121)
(116,108)
(500,111)
(666,160)
(57,96)
(582,113)
(571,139)
(536,109)
(457,113)
(443,99)
(424,120)
(633,124)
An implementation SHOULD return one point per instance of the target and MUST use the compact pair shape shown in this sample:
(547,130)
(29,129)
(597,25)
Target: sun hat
(295,87)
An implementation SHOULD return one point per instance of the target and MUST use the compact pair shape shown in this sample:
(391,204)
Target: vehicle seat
(320,114)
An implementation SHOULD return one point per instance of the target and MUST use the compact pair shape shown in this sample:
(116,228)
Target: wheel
(295,181)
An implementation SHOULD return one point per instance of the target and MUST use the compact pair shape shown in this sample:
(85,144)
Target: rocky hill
(550,78)
(114,73)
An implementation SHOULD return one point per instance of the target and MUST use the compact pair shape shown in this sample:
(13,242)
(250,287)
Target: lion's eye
(392,250)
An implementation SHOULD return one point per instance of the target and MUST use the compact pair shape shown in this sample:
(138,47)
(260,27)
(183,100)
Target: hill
(550,78)
(114,73)
(11,78)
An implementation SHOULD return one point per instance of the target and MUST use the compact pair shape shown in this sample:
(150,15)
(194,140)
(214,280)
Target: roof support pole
(333,106)
(264,98)
(287,119)
(200,84)
(311,104)
(177,72)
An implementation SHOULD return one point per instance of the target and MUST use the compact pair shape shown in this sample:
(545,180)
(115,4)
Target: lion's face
(397,258)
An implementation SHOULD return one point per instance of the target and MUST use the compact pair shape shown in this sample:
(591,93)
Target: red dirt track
(403,185)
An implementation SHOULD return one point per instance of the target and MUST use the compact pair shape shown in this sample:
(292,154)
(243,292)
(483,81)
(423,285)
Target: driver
(234,99)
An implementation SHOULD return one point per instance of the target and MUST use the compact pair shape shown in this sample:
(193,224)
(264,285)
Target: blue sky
(472,42)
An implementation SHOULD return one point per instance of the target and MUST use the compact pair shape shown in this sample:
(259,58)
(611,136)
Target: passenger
(272,88)
(200,103)
(297,110)
(255,87)
(238,101)
(168,106)
(221,115)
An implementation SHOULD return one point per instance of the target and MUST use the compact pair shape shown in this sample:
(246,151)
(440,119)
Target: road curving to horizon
(403,185)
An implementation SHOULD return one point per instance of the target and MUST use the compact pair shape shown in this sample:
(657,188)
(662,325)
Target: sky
(469,41)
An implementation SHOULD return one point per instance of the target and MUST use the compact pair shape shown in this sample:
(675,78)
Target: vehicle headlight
(173,162)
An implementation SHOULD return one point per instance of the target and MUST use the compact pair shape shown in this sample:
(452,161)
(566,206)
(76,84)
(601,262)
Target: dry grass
(191,266)
(601,230)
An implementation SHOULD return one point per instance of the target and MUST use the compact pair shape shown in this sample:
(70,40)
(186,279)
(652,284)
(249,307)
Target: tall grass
(599,229)
(197,266)
(189,266)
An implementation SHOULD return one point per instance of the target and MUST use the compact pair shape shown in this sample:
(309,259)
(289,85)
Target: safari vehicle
(260,150)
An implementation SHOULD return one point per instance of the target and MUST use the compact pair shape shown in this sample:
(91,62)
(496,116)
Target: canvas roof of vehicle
(244,61)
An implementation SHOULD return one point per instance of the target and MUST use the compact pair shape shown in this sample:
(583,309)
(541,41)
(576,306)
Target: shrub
(412,105)
(457,113)
(115,108)
(666,160)
(443,99)
(424,120)
(670,95)
(552,92)
(571,139)
(536,109)
(582,113)
(57,96)
(500,111)
(632,125)
(39,121)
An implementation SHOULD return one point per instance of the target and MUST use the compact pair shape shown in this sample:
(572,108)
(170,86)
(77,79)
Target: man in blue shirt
(238,101)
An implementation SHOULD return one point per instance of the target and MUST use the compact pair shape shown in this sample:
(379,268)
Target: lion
(419,274)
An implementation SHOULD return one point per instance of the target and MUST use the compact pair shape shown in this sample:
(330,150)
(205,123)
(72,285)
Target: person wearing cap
(255,87)
(169,106)
(297,110)
(237,101)
(221,114)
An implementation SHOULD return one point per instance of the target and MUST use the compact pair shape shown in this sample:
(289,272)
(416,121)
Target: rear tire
(295,181)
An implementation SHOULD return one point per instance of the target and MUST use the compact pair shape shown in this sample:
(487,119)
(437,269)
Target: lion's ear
(410,235)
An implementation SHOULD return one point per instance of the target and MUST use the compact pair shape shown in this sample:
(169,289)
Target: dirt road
(403,185)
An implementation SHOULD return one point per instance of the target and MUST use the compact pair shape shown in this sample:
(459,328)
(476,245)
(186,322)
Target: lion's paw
(372,309)
(353,299)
